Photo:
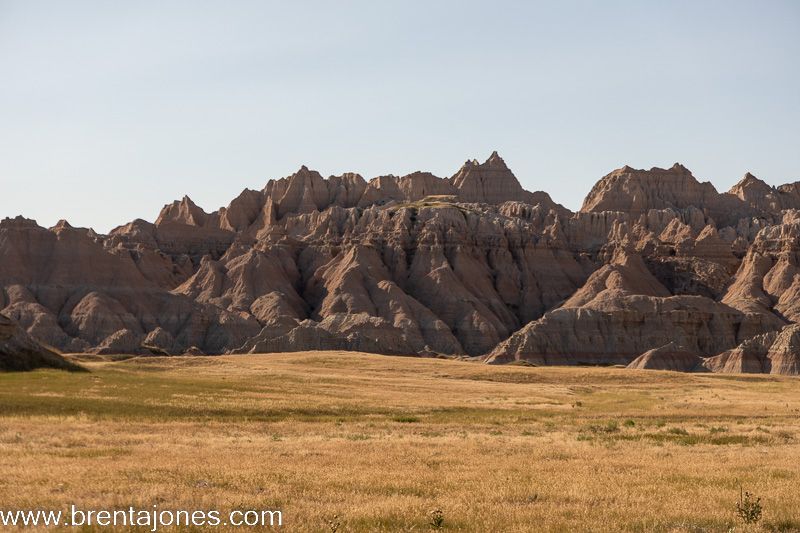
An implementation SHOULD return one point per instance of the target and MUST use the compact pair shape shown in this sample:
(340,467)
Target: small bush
(436,519)
(748,508)
(629,423)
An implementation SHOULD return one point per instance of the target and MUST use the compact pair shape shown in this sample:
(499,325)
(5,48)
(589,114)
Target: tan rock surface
(668,357)
(625,327)
(777,352)
(621,312)
(636,191)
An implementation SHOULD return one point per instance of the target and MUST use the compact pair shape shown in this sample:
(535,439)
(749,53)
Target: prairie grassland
(379,442)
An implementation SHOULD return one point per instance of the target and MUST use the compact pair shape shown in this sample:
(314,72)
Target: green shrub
(748,508)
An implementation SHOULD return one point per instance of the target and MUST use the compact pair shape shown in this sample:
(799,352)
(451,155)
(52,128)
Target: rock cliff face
(623,311)
(657,267)
(777,352)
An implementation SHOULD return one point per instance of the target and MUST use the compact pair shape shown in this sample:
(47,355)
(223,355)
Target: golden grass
(381,441)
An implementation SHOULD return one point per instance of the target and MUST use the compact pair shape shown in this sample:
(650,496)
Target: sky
(109,110)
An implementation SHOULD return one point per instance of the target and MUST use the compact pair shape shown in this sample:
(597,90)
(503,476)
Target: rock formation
(671,356)
(777,352)
(657,270)
(637,191)
(623,311)
(19,351)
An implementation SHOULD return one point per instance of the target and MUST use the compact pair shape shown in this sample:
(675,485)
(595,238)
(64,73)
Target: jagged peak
(185,201)
(495,160)
(494,163)
(63,228)
(183,210)
(304,172)
(62,224)
(750,180)
(625,272)
(137,224)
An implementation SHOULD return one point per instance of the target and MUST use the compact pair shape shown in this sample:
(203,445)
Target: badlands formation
(18,351)
(657,270)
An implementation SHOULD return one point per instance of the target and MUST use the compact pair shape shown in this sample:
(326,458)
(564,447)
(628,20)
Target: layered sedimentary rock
(671,356)
(776,352)
(19,351)
(637,191)
(657,267)
(623,311)
(768,279)
(763,198)
(68,288)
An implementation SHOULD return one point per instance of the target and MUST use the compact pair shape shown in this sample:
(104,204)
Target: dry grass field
(379,442)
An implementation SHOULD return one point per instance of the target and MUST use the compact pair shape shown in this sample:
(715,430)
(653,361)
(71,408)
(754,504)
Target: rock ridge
(657,270)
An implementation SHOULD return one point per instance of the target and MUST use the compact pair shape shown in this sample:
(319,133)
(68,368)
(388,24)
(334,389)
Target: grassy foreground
(382,441)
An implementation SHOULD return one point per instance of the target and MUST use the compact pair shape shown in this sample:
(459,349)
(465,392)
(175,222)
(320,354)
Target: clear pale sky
(109,110)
